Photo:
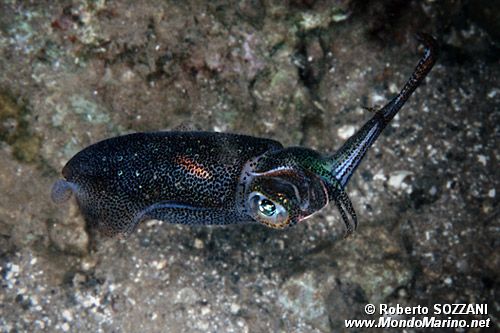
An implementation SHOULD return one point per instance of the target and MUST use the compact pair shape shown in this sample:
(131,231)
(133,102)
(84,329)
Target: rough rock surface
(296,71)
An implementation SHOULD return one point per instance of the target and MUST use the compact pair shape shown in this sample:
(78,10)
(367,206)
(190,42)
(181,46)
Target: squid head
(281,192)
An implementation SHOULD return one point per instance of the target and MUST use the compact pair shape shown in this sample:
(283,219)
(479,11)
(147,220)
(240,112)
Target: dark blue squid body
(181,177)
(219,178)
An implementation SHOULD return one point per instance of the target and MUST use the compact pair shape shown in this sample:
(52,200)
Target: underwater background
(300,72)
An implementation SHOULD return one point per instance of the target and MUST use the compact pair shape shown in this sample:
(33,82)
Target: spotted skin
(181,177)
(219,178)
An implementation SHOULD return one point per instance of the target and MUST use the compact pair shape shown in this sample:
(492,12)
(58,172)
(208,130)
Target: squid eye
(267,207)
(266,211)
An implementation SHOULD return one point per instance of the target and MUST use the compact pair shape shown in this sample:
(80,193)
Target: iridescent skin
(219,178)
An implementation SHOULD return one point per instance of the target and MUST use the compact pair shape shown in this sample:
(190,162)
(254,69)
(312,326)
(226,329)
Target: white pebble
(198,244)
(67,315)
(380,176)
(396,178)
(205,310)
(161,264)
(346,131)
(492,93)
(433,191)
(376,99)
(235,308)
